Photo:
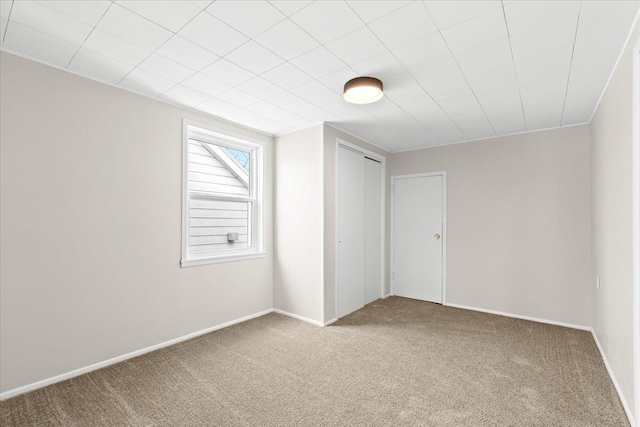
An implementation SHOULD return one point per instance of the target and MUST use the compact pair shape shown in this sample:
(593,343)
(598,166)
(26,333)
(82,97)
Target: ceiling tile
(256,121)
(115,48)
(189,54)
(578,108)
(212,34)
(255,58)
(476,32)
(527,15)
(336,81)
(238,97)
(260,88)
(166,68)
(287,40)
(319,62)
(370,10)
(202,4)
(404,25)
(5,10)
(287,76)
(205,84)
(327,20)
(386,68)
(146,83)
(217,107)
(133,28)
(277,114)
(303,108)
(185,96)
(38,46)
(449,13)
(171,14)
(228,73)
(98,66)
(543,115)
(48,21)
(356,46)
(289,7)
(89,12)
(601,35)
(329,101)
(249,17)
(507,119)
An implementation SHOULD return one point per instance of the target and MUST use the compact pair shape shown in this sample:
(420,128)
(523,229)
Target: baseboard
(517,316)
(295,316)
(387,296)
(76,372)
(627,410)
(329,322)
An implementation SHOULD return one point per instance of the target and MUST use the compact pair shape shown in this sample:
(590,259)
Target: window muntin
(222,212)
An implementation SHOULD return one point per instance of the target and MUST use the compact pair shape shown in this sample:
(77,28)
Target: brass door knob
(437,235)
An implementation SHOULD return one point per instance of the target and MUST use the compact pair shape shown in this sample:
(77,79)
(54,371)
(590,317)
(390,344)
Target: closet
(359,226)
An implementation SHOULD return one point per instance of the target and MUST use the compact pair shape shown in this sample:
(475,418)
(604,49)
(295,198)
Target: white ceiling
(453,70)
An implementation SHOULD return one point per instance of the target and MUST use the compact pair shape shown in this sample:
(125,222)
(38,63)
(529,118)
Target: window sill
(221,259)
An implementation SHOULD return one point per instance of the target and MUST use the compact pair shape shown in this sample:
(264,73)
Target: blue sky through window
(241,157)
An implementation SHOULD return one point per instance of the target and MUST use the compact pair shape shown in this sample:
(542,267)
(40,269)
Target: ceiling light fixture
(363,90)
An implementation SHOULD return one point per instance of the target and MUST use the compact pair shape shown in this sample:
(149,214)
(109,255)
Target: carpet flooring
(397,362)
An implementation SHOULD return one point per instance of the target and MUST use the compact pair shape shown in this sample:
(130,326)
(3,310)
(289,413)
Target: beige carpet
(396,362)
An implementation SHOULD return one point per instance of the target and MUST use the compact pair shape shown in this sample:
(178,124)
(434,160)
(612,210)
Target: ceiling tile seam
(88,35)
(123,3)
(513,63)
(461,22)
(573,50)
(402,65)
(8,20)
(460,69)
(158,48)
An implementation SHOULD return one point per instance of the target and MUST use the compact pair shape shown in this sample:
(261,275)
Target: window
(222,197)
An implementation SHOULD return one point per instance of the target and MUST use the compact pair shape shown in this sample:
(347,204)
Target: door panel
(350,231)
(372,231)
(417,247)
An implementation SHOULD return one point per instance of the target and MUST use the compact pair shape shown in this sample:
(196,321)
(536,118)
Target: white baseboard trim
(329,322)
(387,296)
(295,316)
(517,316)
(76,372)
(627,410)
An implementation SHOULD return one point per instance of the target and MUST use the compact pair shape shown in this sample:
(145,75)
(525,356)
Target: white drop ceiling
(453,70)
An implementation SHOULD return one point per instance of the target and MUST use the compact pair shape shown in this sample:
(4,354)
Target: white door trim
(636,227)
(443,174)
(383,160)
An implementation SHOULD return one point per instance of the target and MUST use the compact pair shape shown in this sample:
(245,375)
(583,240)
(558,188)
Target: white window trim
(220,137)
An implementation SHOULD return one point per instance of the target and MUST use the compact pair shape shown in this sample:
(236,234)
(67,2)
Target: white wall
(91,227)
(611,210)
(299,279)
(518,238)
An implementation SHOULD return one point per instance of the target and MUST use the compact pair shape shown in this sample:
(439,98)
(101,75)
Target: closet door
(350,231)
(372,231)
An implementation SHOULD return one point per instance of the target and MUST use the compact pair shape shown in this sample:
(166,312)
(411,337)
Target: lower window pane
(218,225)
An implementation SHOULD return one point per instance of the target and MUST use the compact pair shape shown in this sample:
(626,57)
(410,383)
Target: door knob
(437,235)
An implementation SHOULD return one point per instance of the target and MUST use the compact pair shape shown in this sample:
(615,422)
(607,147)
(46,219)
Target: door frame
(636,227)
(443,174)
(383,202)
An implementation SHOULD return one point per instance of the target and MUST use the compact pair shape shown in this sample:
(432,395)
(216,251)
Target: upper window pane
(243,158)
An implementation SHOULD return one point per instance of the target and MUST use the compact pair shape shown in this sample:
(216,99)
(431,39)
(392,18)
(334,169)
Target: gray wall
(611,210)
(518,222)
(298,281)
(91,227)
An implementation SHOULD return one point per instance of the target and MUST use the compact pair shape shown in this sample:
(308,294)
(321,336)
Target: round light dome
(363,90)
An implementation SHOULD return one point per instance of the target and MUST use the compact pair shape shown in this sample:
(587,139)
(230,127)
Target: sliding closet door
(372,230)
(350,231)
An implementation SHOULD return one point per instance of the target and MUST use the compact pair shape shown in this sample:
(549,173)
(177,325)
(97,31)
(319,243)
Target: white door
(350,231)
(417,237)
(372,230)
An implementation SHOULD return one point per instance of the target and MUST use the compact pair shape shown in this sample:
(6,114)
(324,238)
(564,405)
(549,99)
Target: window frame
(211,135)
